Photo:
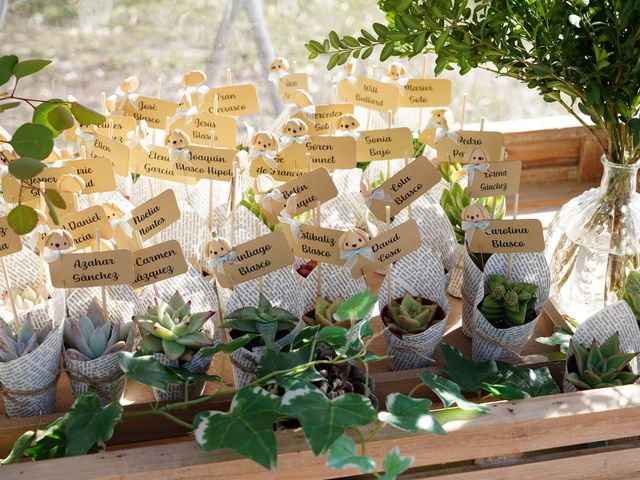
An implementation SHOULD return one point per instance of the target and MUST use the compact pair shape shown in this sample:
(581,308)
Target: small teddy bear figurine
(58,241)
(138,138)
(347,73)
(177,141)
(353,243)
(85,136)
(396,73)
(476,156)
(264,189)
(295,130)
(185,110)
(441,124)
(369,195)
(220,252)
(348,126)
(474,216)
(193,87)
(288,212)
(125,96)
(264,144)
(278,69)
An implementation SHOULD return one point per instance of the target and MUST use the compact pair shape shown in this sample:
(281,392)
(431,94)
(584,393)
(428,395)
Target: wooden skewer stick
(294,66)
(12,300)
(41,261)
(103,289)
(158,87)
(229,78)
(373,77)
(482,124)
(334,94)
(424,75)
(463,110)
(389,268)
(234,184)
(213,145)
(319,267)
(389,125)
(406,162)
(515,217)
(103,102)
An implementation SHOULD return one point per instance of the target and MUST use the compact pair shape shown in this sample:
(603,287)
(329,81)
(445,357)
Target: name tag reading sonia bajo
(256,258)
(93,269)
(386,144)
(508,236)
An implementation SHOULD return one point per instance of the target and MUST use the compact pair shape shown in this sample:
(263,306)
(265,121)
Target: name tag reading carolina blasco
(508,236)
(501,178)
(158,262)
(256,258)
(386,144)
(93,269)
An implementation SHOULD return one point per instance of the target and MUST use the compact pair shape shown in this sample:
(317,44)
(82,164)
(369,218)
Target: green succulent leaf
(410,414)
(449,392)
(147,370)
(394,464)
(25,168)
(469,375)
(342,455)
(22,219)
(29,67)
(33,141)
(230,347)
(7,62)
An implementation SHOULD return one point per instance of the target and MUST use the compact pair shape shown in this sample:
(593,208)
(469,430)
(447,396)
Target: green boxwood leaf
(86,116)
(342,455)
(29,67)
(60,117)
(449,392)
(32,140)
(387,51)
(22,219)
(25,168)
(9,106)
(247,428)
(394,464)
(334,39)
(410,414)
(87,423)
(469,375)
(7,62)
(147,370)
(324,421)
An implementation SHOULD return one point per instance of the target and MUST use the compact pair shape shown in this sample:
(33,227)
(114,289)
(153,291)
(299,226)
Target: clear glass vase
(593,241)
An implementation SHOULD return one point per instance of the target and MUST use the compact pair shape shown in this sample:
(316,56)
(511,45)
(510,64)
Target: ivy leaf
(342,455)
(356,307)
(60,117)
(560,337)
(48,443)
(7,62)
(25,168)
(274,361)
(410,414)
(467,373)
(32,140)
(19,448)
(324,421)
(29,67)
(394,464)
(8,106)
(22,219)
(87,423)
(230,347)
(505,392)
(449,392)
(516,383)
(147,370)
(247,428)
(86,116)
(189,376)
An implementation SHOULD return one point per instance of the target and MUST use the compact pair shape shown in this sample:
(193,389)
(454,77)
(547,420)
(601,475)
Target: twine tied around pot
(8,394)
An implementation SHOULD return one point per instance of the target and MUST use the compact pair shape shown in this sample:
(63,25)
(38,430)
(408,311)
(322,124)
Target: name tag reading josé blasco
(235,100)
(200,127)
(426,92)
(9,240)
(97,174)
(292,82)
(155,214)
(501,178)
(325,116)
(405,187)
(157,164)
(315,186)
(82,226)
(487,144)
(158,262)
(93,269)
(389,247)
(48,176)
(371,94)
(115,151)
(154,110)
(256,258)
(121,125)
(508,236)
(318,243)
(207,162)
(387,144)
(330,152)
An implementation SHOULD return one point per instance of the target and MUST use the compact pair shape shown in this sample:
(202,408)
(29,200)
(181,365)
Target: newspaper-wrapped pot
(456,275)
(28,384)
(101,374)
(491,343)
(616,318)
(282,290)
(472,286)
(419,274)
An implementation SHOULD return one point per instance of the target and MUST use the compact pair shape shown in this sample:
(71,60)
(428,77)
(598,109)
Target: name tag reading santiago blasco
(115,151)
(487,144)
(405,187)
(256,258)
(158,262)
(501,178)
(235,100)
(370,94)
(155,214)
(154,110)
(9,240)
(386,144)
(93,269)
(83,225)
(508,236)
(208,162)
(319,243)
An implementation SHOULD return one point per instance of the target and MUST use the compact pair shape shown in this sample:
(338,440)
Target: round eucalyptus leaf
(7,62)
(60,117)
(32,140)
(85,115)
(22,219)
(29,67)
(25,168)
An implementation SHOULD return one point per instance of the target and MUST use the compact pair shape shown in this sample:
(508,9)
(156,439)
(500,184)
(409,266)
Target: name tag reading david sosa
(158,262)
(93,269)
(508,236)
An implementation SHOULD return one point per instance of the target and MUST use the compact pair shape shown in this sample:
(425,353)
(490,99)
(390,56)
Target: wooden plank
(549,175)
(512,428)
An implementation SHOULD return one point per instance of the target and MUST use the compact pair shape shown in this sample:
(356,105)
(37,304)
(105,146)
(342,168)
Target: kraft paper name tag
(157,164)
(209,163)
(200,127)
(256,258)
(9,240)
(508,236)
(116,152)
(370,94)
(426,92)
(405,187)
(154,110)
(319,243)
(235,100)
(159,262)
(387,144)
(288,165)
(315,186)
(325,117)
(48,176)
(121,125)
(502,178)
(485,144)
(292,82)
(330,152)
(389,247)
(155,214)
(82,226)
(93,269)
(97,174)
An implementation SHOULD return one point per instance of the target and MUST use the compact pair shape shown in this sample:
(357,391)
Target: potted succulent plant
(580,54)
(175,335)
(91,347)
